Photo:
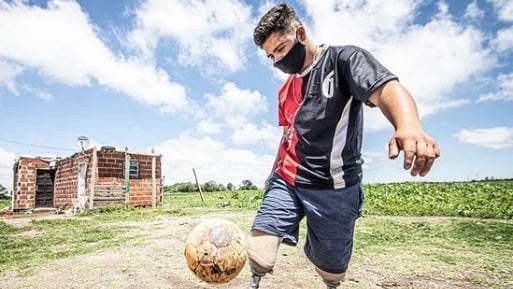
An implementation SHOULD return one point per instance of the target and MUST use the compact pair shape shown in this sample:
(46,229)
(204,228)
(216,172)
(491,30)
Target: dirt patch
(155,260)
(28,234)
(19,221)
(426,282)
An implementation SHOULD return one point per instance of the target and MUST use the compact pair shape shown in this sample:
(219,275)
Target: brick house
(94,177)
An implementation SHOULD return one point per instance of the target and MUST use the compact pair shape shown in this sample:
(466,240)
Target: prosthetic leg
(332,280)
(262,250)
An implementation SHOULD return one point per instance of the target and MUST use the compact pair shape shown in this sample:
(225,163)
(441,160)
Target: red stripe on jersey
(290,99)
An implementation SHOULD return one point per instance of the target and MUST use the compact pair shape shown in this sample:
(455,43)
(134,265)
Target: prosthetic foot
(255,280)
(332,280)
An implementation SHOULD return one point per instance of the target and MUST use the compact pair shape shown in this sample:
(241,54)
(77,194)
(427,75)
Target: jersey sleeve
(363,73)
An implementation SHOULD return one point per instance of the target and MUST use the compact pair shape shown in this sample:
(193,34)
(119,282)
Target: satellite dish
(83,142)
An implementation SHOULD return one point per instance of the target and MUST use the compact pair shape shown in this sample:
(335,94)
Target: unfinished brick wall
(140,188)
(110,167)
(24,185)
(66,178)
(110,172)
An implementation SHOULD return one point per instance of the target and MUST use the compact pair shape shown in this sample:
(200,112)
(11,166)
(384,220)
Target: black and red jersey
(323,116)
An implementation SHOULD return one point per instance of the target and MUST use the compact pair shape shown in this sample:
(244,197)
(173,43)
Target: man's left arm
(420,150)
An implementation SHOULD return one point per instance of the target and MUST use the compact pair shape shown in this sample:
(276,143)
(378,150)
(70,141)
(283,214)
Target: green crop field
(492,199)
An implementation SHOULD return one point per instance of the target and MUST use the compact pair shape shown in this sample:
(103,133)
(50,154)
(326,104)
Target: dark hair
(280,18)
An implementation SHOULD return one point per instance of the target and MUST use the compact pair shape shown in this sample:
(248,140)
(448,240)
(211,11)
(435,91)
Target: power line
(37,145)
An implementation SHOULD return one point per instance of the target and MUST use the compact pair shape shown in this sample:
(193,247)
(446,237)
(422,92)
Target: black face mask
(294,60)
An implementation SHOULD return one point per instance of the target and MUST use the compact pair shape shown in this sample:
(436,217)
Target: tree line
(4,194)
(210,186)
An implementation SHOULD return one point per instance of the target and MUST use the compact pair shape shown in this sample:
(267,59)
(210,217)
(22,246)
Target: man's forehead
(274,39)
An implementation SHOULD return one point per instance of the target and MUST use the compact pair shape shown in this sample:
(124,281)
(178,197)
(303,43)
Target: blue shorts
(330,215)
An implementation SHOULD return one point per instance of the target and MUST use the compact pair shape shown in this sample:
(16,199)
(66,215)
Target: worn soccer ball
(215,250)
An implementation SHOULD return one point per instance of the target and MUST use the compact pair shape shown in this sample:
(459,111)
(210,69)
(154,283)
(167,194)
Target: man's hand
(420,150)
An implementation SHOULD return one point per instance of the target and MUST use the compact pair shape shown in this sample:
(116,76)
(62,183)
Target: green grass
(467,250)
(43,240)
(5,203)
(473,233)
(493,199)
(116,213)
(214,200)
(53,239)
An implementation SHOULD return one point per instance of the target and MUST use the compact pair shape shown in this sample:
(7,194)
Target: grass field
(4,203)
(492,199)
(401,251)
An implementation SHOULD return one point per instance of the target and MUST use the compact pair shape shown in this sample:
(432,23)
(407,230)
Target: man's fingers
(420,159)
(436,148)
(432,153)
(427,167)
(409,148)
(419,153)
(393,148)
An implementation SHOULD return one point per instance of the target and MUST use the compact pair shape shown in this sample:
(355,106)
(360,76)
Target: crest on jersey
(328,85)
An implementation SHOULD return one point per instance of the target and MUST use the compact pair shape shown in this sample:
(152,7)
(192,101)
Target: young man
(318,168)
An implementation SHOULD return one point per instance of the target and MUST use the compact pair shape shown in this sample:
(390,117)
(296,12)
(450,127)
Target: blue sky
(185,78)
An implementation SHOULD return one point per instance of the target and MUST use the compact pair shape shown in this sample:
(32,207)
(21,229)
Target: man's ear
(301,34)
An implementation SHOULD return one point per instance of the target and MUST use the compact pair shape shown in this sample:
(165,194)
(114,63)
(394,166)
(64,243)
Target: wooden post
(162,180)
(199,186)
(127,176)
(92,184)
(153,180)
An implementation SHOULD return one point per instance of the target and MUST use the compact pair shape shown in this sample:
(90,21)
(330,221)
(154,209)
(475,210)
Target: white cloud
(268,63)
(474,12)
(375,120)
(252,134)
(264,7)
(504,9)
(442,104)
(212,161)
(211,34)
(504,40)
(208,127)
(505,89)
(433,59)
(61,43)
(7,159)
(37,92)
(373,159)
(430,59)
(235,105)
(363,22)
(8,73)
(495,138)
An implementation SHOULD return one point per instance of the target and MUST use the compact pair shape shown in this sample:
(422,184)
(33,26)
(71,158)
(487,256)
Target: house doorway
(82,173)
(44,187)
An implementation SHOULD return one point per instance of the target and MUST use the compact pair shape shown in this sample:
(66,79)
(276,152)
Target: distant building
(91,178)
